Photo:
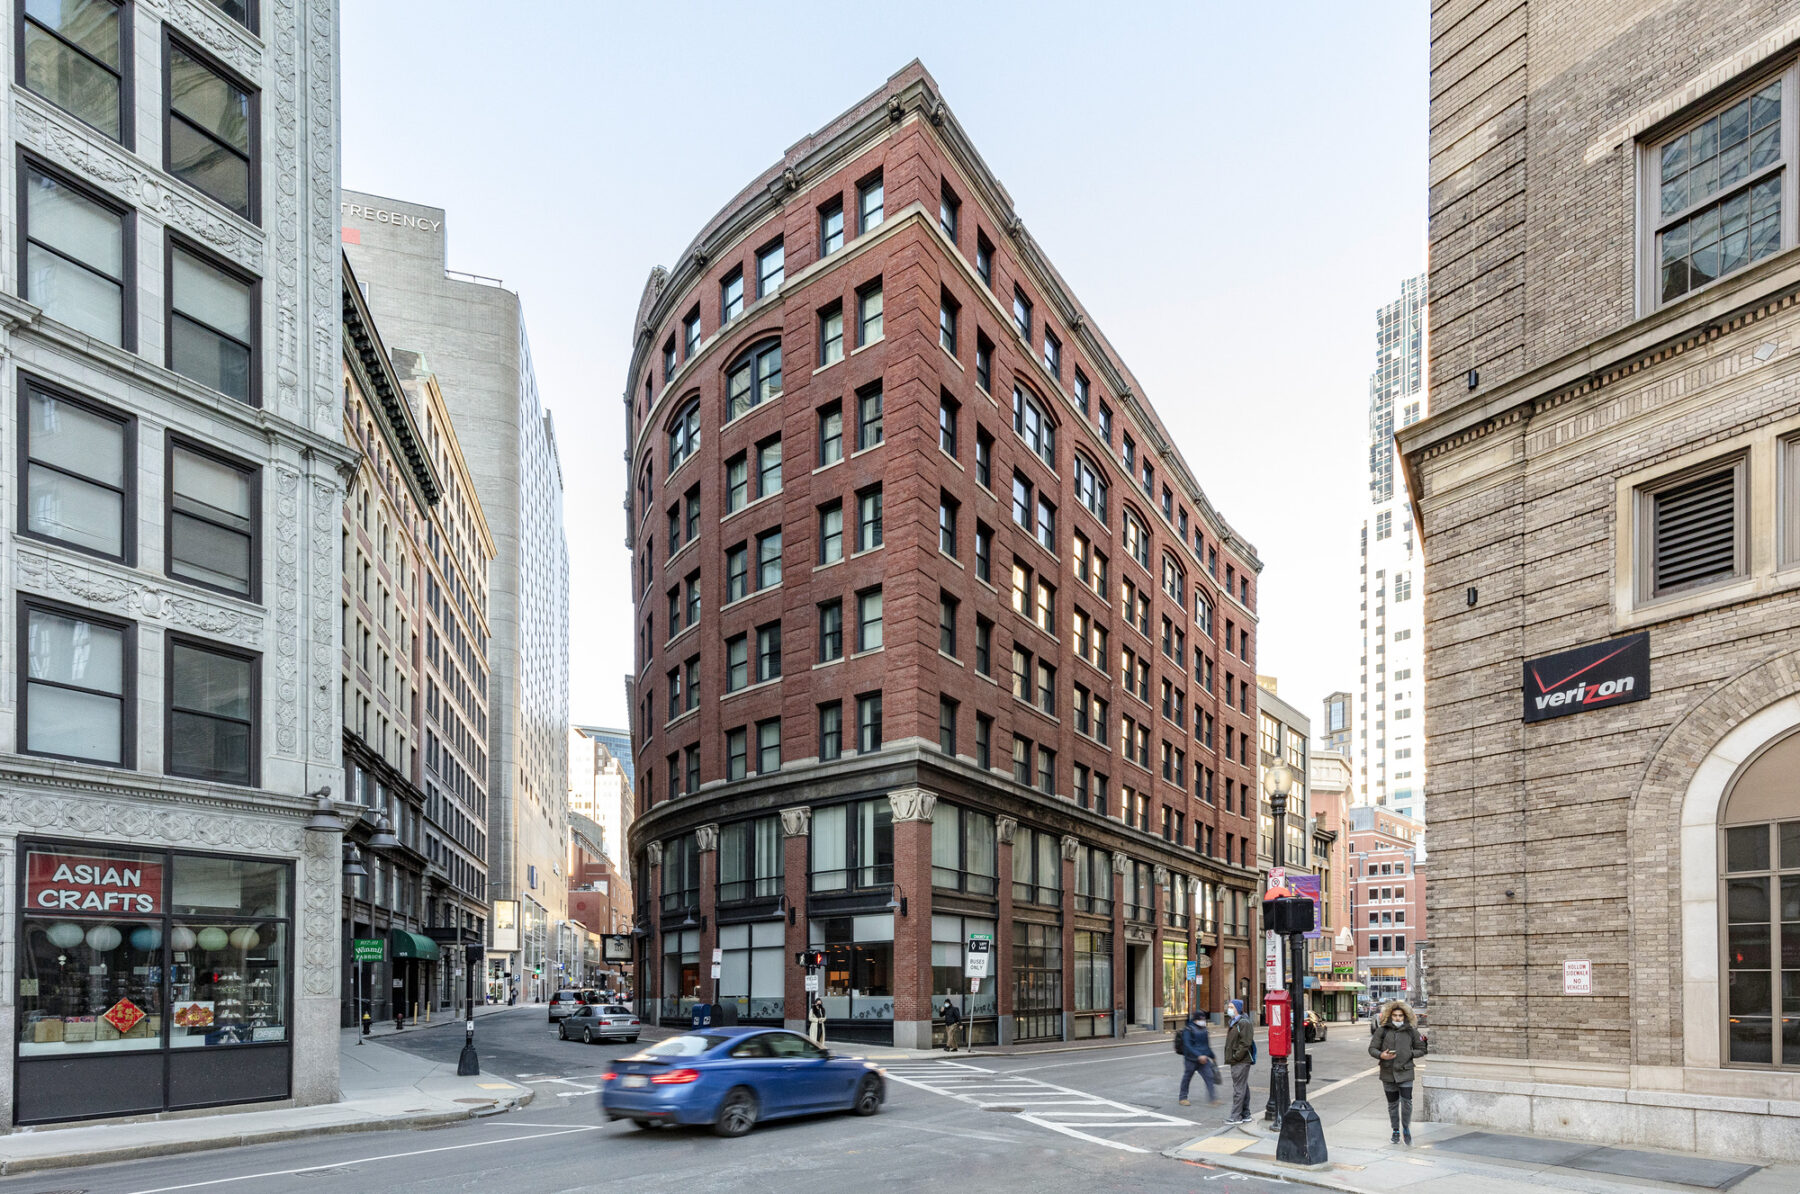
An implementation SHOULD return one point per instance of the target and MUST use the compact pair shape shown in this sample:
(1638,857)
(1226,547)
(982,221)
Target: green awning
(412,945)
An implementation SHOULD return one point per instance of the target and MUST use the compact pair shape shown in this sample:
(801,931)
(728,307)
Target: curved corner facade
(938,639)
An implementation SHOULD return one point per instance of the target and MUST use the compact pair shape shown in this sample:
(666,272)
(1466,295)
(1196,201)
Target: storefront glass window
(753,969)
(681,973)
(1093,984)
(858,980)
(1037,981)
(949,950)
(1176,987)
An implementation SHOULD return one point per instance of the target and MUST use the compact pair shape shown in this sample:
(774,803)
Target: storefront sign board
(60,882)
(368,949)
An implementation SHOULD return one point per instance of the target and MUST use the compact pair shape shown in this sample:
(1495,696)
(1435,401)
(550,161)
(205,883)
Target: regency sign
(1598,676)
(56,882)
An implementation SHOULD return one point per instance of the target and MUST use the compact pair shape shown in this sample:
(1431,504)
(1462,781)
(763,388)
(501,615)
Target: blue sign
(1193,969)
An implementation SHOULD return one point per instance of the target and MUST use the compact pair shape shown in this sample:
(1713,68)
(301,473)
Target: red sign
(81,883)
(124,1016)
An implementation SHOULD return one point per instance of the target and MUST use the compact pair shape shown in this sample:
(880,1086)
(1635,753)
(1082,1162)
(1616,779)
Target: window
(1022,493)
(1022,315)
(73,56)
(1174,581)
(750,867)
(210,129)
(1384,525)
(768,559)
(984,363)
(77,698)
(948,208)
(81,470)
(684,435)
(868,417)
(984,259)
(1137,539)
(1203,613)
(831,731)
(692,673)
(947,510)
(947,311)
(768,652)
(736,749)
(831,334)
(1106,422)
(76,252)
(1021,760)
(690,334)
(831,631)
(210,726)
(1402,591)
(1081,390)
(831,434)
(984,458)
(731,296)
(868,722)
(831,533)
(768,746)
(1694,530)
(1033,425)
(868,519)
(947,725)
(213,516)
(1090,487)
(737,483)
(868,620)
(948,409)
(737,662)
(1046,523)
(984,741)
(868,314)
(947,606)
(737,569)
(831,226)
(669,361)
(755,377)
(1053,354)
(1717,191)
(984,646)
(768,467)
(770,269)
(869,204)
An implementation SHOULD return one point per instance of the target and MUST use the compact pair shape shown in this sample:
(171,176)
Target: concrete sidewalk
(1454,1159)
(382,1088)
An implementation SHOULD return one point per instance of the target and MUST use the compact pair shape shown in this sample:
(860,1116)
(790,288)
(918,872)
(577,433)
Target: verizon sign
(1615,672)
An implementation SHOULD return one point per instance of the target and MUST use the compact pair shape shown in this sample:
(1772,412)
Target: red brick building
(937,636)
(1387,901)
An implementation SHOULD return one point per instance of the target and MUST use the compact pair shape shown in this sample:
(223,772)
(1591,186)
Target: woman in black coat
(1396,1042)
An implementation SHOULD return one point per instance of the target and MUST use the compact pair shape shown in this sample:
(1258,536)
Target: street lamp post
(1277,782)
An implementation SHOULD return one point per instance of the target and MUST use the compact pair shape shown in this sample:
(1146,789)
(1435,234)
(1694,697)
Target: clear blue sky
(1231,190)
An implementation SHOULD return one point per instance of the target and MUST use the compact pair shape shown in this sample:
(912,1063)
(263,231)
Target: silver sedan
(599,1022)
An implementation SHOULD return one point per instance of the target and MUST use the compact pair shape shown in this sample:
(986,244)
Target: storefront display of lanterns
(64,934)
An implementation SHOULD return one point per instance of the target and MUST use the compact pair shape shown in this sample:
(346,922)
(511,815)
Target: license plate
(634,1081)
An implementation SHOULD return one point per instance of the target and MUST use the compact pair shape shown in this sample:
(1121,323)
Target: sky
(1232,191)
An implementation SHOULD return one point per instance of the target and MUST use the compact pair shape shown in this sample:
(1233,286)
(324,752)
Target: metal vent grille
(1696,531)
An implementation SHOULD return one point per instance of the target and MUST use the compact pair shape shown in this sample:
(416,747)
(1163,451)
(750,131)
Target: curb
(274,1136)
(1275,1171)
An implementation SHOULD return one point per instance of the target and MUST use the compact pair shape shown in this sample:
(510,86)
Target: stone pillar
(796,830)
(706,841)
(1071,845)
(1159,896)
(1005,829)
(1121,955)
(650,964)
(912,924)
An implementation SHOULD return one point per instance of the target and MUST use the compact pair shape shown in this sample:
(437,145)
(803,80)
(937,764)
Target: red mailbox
(1281,1025)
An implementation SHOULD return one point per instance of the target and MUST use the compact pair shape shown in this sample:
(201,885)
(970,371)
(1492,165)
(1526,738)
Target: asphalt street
(1075,1121)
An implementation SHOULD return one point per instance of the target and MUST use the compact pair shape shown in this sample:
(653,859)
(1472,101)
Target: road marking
(1314,1094)
(1073,1110)
(1057,1065)
(577,1092)
(449,1148)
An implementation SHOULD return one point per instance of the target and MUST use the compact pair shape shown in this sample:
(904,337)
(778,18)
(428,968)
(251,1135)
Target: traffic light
(810,958)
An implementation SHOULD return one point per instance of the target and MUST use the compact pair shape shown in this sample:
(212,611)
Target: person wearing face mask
(1396,1043)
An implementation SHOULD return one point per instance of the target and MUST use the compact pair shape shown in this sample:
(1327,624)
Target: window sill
(952,459)
(870,651)
(691,627)
(679,718)
(870,448)
(828,663)
(756,687)
(943,654)
(744,509)
(771,400)
(774,588)
(827,365)
(950,558)
(952,356)
(870,344)
(823,467)
(679,552)
(829,564)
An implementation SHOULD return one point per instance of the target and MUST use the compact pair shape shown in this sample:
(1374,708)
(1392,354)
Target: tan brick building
(1615,452)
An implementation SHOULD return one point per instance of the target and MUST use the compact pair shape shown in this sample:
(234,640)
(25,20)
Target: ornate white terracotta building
(173,460)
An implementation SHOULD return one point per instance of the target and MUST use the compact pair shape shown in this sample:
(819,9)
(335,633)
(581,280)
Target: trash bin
(702,1015)
(725,1015)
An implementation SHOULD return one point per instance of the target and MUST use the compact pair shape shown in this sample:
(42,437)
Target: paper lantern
(246,938)
(103,938)
(182,939)
(212,938)
(145,939)
(64,935)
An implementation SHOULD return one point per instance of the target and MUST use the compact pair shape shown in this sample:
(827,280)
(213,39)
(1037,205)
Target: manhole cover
(1008,1110)
(478,1102)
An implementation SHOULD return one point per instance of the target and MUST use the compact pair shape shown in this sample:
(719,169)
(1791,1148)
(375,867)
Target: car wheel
(868,1097)
(587,1036)
(737,1114)
(562,1032)
(645,1124)
(631,1040)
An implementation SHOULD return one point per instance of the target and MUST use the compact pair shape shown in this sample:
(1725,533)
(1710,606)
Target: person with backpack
(1196,1051)
(1240,1055)
(1396,1042)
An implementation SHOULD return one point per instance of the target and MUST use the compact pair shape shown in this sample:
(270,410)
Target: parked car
(732,1078)
(565,1001)
(599,1022)
(1315,1027)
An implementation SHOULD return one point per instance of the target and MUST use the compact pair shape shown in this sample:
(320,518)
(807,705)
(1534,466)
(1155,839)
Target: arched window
(1034,425)
(1137,538)
(1174,580)
(684,434)
(1760,899)
(1203,613)
(1090,487)
(752,378)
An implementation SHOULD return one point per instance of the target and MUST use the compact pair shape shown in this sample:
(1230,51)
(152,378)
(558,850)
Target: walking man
(952,1026)
(1396,1043)
(1240,1055)
(1196,1054)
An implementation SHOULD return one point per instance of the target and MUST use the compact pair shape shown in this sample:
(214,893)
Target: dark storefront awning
(412,945)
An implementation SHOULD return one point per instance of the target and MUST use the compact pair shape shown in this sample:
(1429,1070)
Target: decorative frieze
(912,804)
(706,837)
(1004,828)
(796,822)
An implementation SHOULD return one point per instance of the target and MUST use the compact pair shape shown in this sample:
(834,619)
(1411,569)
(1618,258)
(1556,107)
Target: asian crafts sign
(58,882)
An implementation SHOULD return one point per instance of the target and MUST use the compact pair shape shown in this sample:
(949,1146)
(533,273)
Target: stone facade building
(174,460)
(1610,472)
(939,641)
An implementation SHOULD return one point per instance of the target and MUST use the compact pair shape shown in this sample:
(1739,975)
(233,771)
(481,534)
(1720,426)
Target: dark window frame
(192,50)
(174,242)
(128,699)
(254,659)
(128,308)
(126,74)
(171,442)
(27,382)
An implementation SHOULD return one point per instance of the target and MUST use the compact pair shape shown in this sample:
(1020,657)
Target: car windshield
(688,1044)
(616,1010)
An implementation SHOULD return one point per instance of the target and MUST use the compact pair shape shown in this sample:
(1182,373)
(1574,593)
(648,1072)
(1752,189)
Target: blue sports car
(733,1077)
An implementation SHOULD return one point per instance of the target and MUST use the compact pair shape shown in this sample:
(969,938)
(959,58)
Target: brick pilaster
(796,828)
(912,809)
